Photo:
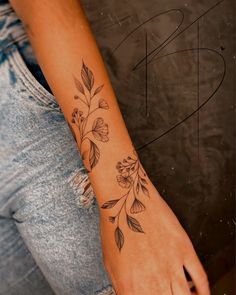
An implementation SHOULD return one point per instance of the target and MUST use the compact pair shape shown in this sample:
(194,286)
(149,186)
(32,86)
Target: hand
(152,257)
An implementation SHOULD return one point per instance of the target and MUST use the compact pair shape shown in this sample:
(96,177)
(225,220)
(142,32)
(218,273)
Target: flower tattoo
(89,96)
(132,178)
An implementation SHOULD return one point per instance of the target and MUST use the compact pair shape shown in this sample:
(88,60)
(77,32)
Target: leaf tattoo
(94,154)
(119,237)
(137,207)
(109,204)
(87,77)
(134,224)
(87,94)
(132,178)
(79,86)
(98,90)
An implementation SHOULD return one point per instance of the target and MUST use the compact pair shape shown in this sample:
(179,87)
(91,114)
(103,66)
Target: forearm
(71,62)
(67,52)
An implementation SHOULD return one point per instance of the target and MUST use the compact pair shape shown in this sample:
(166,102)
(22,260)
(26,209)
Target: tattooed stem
(86,119)
(118,214)
(78,97)
(85,123)
(83,138)
(100,130)
(77,123)
(125,197)
(129,178)
(92,111)
(89,100)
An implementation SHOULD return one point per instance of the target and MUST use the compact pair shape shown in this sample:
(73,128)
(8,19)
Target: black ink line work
(198,89)
(90,97)
(132,178)
(202,104)
(154,55)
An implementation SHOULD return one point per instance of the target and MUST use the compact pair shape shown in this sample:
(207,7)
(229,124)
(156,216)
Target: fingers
(197,272)
(180,285)
(192,288)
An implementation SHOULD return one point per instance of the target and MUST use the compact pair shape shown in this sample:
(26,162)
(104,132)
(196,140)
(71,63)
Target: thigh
(19,274)
(53,202)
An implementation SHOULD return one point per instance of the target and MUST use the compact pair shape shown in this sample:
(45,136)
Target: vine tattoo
(131,178)
(90,97)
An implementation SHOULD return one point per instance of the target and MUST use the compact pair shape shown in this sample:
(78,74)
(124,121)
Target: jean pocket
(28,80)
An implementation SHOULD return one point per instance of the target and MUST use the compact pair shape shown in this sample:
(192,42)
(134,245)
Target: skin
(149,255)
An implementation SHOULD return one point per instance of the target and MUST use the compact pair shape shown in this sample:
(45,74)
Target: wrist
(127,185)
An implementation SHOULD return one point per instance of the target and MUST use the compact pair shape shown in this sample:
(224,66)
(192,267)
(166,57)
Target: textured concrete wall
(171,65)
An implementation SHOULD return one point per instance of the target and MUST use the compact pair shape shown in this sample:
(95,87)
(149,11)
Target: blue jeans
(49,217)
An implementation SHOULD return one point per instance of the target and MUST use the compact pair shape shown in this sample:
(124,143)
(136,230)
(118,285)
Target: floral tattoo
(132,178)
(90,97)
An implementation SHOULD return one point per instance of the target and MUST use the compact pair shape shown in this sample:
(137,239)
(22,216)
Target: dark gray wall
(171,65)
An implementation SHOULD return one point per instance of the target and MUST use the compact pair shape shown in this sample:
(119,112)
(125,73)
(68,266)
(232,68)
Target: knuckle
(189,245)
(163,287)
(204,279)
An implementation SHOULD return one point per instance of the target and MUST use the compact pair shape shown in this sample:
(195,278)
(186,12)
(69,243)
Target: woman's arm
(72,64)
(145,247)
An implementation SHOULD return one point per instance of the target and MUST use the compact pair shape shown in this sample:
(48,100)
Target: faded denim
(49,217)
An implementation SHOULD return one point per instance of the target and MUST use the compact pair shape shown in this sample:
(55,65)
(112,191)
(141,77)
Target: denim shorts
(49,216)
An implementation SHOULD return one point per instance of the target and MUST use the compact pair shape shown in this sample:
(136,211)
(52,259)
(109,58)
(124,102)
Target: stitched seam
(6,11)
(19,280)
(33,89)
(12,42)
(107,291)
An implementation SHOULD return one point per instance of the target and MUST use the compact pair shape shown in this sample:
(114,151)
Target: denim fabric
(49,217)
